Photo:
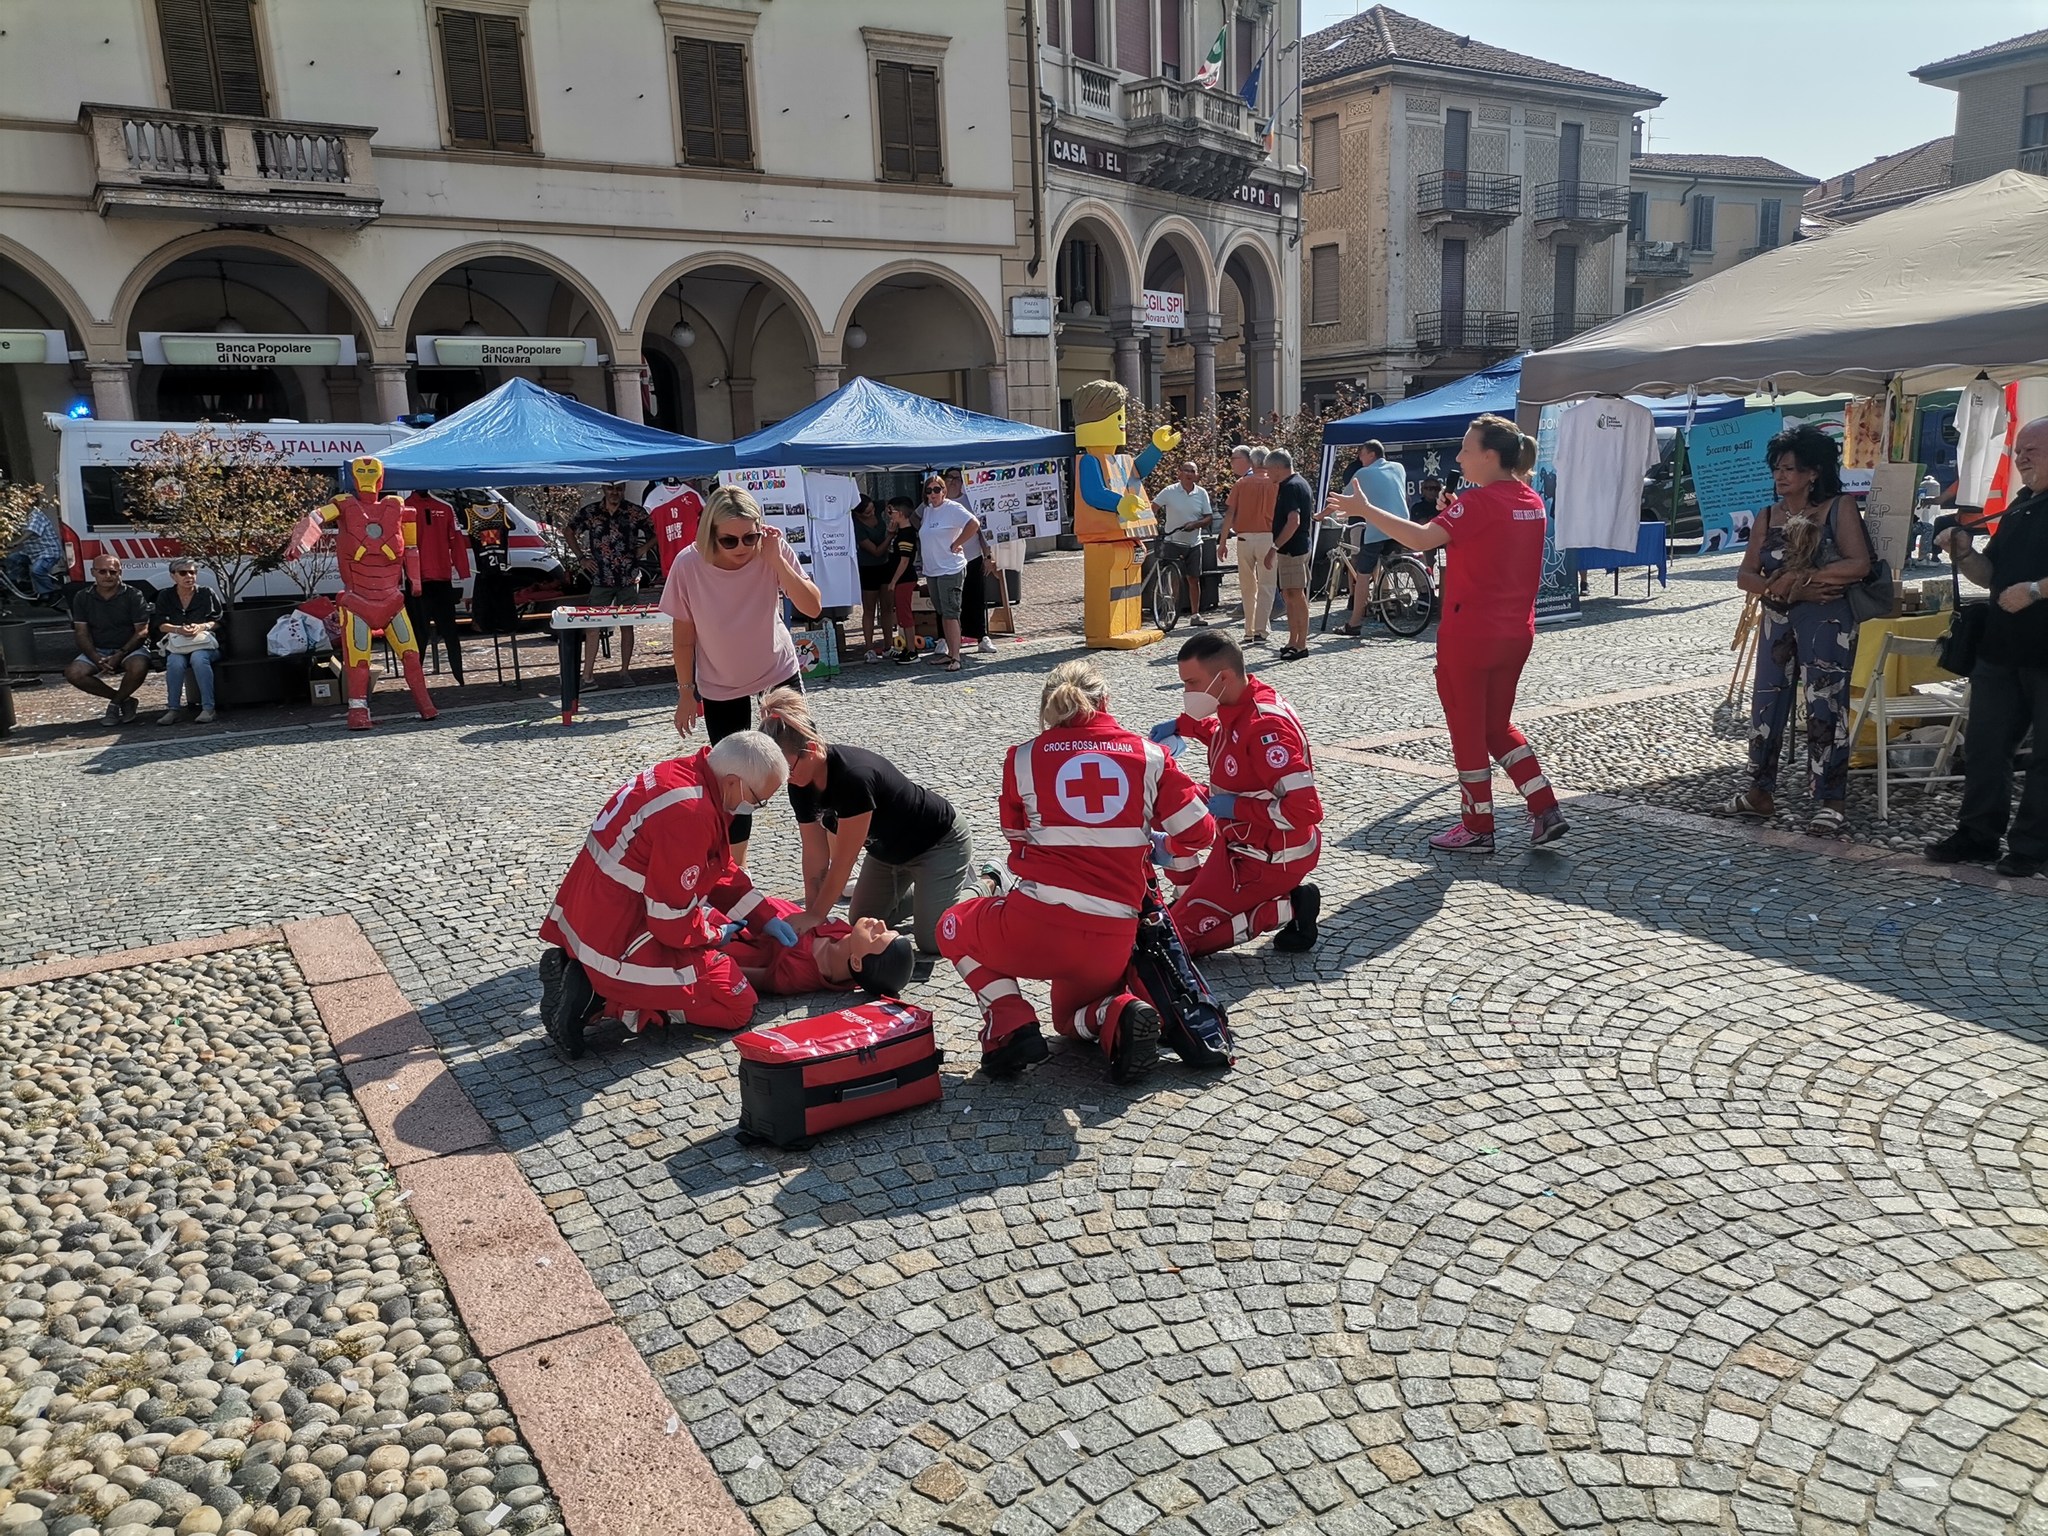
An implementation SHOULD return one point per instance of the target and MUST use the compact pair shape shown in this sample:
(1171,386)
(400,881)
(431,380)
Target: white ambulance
(92,493)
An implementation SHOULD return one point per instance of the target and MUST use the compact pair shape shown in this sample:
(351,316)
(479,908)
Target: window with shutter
(210,56)
(1134,36)
(711,79)
(1052,21)
(1324,298)
(1702,223)
(1171,63)
(483,69)
(1087,42)
(907,108)
(1325,158)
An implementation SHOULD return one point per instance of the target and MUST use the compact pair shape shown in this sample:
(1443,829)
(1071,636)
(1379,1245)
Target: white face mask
(1197,705)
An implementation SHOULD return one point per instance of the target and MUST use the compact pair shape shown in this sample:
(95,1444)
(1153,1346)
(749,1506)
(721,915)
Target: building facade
(1171,157)
(701,214)
(2001,107)
(1690,216)
(1465,202)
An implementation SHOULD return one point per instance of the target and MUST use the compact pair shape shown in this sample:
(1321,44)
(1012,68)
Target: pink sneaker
(1457,838)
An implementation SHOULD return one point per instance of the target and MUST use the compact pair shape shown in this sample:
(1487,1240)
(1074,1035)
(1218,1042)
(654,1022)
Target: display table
(570,623)
(1652,551)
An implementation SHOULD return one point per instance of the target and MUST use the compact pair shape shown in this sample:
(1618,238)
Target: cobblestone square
(1675,1181)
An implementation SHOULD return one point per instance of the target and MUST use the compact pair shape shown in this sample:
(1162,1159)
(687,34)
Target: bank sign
(221,349)
(507,352)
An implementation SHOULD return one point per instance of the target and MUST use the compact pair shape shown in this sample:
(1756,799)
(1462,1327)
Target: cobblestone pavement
(1670,1183)
(219,1314)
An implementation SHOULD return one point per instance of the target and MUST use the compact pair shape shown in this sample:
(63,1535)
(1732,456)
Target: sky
(1819,85)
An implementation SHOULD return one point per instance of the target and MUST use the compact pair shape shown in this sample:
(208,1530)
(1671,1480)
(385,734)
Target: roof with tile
(1380,36)
(2011,51)
(1890,181)
(1725,167)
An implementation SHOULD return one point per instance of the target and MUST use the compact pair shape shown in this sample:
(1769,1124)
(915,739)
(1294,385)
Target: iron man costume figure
(376,543)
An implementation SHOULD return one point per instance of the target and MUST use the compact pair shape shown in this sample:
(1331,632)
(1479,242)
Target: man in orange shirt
(1250,522)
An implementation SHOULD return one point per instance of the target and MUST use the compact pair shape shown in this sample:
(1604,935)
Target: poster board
(1888,512)
(1730,475)
(1015,502)
(1557,598)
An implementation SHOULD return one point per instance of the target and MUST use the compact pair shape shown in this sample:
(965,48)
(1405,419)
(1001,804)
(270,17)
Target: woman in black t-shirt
(847,799)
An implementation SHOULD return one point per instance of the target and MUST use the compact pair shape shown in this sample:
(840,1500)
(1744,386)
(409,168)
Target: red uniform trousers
(703,986)
(993,940)
(1476,680)
(1235,897)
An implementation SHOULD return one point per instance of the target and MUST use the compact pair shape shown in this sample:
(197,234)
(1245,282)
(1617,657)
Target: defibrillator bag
(1191,1021)
(802,1079)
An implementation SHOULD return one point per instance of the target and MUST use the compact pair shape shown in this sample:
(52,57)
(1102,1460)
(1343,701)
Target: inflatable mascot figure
(376,543)
(1113,515)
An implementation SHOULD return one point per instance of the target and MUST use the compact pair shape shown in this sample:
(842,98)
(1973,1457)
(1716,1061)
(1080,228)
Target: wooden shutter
(927,163)
(729,91)
(1171,62)
(1324,308)
(505,83)
(892,102)
(1702,223)
(210,56)
(1052,21)
(1325,155)
(1087,42)
(1134,36)
(1247,41)
(462,69)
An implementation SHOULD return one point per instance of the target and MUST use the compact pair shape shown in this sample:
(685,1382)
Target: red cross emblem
(1091,788)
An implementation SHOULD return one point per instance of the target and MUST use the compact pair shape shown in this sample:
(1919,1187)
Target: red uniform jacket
(646,870)
(1258,752)
(1079,806)
(1496,563)
(792,971)
(444,547)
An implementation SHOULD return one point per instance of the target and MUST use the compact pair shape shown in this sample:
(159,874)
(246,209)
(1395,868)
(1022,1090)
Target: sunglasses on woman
(935,490)
(739,540)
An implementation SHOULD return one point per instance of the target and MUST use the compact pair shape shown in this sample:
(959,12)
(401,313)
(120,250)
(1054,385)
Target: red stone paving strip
(613,1451)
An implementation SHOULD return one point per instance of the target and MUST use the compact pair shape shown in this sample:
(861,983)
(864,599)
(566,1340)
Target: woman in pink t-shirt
(725,594)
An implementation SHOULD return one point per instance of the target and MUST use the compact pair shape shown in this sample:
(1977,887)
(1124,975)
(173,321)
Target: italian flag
(1211,72)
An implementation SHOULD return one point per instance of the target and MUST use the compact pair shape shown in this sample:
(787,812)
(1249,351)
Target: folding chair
(1882,709)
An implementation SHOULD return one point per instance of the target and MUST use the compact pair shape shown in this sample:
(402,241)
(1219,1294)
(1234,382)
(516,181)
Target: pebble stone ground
(218,1314)
(1671,1183)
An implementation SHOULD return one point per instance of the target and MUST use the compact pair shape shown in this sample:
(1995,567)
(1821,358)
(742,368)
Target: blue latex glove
(778,929)
(1160,856)
(730,932)
(1164,730)
(1175,745)
(1222,805)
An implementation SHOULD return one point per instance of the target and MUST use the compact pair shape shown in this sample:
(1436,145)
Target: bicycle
(1403,591)
(1159,593)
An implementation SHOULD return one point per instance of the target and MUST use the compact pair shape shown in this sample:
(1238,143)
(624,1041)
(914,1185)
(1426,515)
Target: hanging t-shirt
(1980,429)
(1604,447)
(1496,561)
(676,511)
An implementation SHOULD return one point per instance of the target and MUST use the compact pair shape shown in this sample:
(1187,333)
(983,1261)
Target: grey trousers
(922,889)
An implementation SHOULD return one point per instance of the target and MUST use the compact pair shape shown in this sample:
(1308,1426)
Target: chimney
(1848,185)
(1635,137)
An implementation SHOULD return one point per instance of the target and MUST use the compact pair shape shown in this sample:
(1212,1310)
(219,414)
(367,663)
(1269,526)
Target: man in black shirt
(2009,684)
(1294,513)
(110,620)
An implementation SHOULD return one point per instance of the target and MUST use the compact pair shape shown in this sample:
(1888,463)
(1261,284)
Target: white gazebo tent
(1936,293)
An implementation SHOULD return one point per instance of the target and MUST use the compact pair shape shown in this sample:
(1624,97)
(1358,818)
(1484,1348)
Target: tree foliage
(18,498)
(228,498)
(1208,436)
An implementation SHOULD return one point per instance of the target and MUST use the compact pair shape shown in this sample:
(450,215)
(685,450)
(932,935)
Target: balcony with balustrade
(150,163)
(1478,201)
(1188,139)
(1581,211)
(2034,160)
(1485,333)
(1659,258)
(1549,330)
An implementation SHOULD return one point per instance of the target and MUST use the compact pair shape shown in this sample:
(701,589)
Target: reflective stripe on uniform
(1516,754)
(1283,855)
(1187,816)
(612,859)
(667,913)
(1027,790)
(1078,901)
(618,970)
(1086,837)
(1294,781)
(739,910)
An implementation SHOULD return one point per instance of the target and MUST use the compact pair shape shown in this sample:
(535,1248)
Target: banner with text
(1015,502)
(1729,474)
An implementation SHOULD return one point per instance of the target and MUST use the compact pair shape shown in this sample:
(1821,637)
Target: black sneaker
(1961,848)
(1135,1050)
(2017,866)
(1299,936)
(566,998)
(1025,1048)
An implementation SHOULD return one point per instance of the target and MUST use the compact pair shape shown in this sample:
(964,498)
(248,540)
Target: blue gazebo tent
(868,425)
(1442,414)
(521,434)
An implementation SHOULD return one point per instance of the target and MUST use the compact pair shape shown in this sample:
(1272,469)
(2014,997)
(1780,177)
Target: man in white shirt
(1604,447)
(1187,515)
(944,533)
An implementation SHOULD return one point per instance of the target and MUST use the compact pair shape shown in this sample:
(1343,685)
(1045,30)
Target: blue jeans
(198,665)
(33,573)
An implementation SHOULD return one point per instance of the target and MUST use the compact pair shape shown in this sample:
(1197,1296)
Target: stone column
(1129,371)
(1262,367)
(1204,344)
(996,376)
(113,390)
(824,378)
(394,397)
(626,400)
(743,419)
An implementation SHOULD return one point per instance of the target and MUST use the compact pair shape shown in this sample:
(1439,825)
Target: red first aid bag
(802,1079)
